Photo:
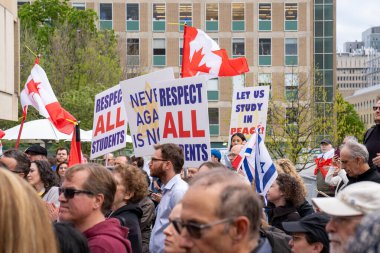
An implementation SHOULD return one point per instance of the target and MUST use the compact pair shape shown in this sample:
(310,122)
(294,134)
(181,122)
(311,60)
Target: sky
(354,17)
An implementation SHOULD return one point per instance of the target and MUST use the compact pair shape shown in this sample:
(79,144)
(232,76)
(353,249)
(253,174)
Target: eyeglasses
(69,193)
(153,159)
(195,229)
(375,108)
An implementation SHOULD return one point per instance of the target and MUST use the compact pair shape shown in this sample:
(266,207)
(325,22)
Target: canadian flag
(39,94)
(202,55)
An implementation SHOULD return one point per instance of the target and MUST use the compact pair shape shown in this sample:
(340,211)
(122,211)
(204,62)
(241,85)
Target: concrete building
(363,100)
(351,47)
(9,60)
(351,73)
(371,38)
(284,42)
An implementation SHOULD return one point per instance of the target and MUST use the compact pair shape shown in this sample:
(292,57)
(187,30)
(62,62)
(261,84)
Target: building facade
(371,38)
(9,60)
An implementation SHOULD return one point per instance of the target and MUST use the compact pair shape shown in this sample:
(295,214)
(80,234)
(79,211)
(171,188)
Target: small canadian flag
(202,55)
(39,94)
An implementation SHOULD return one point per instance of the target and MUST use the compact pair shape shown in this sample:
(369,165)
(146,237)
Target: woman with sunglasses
(44,181)
(172,237)
(61,170)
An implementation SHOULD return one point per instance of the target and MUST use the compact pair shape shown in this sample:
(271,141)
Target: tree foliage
(347,119)
(295,122)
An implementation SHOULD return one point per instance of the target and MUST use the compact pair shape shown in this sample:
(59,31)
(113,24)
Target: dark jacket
(149,213)
(372,143)
(370,175)
(305,209)
(277,215)
(108,237)
(263,246)
(130,216)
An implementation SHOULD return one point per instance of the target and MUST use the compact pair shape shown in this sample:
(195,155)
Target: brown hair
(291,188)
(286,166)
(134,181)
(99,181)
(172,153)
(23,216)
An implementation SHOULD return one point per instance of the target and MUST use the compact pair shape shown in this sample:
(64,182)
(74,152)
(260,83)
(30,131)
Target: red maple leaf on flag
(197,58)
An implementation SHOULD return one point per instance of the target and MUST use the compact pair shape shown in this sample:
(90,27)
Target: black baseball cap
(326,141)
(313,224)
(36,149)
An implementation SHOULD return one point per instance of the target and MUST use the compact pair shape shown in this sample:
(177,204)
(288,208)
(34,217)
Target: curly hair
(134,181)
(291,188)
(48,177)
(286,166)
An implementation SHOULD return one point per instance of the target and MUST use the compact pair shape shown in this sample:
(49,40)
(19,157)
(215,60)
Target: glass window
(291,86)
(180,51)
(238,48)
(133,12)
(212,12)
(133,52)
(264,79)
(213,90)
(213,114)
(291,11)
(238,81)
(265,46)
(291,115)
(265,11)
(159,12)
(238,11)
(185,13)
(79,6)
(159,47)
(291,47)
(105,11)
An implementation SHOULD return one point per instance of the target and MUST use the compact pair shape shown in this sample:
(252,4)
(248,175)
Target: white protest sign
(249,111)
(109,130)
(140,103)
(183,113)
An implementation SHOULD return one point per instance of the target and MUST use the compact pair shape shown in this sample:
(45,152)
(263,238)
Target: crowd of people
(118,206)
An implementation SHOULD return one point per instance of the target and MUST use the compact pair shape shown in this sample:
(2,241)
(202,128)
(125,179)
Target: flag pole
(21,126)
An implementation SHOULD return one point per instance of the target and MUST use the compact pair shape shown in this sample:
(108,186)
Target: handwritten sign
(183,113)
(140,103)
(249,111)
(109,129)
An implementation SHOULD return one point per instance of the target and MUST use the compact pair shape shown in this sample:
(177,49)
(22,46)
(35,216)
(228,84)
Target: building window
(265,17)
(213,89)
(133,17)
(291,86)
(105,16)
(185,15)
(291,116)
(238,21)
(291,16)
(291,52)
(238,47)
(159,52)
(180,51)
(265,80)
(133,52)
(79,6)
(212,14)
(265,52)
(159,17)
(238,81)
(213,115)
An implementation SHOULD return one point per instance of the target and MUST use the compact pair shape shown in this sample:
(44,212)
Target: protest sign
(249,111)
(109,130)
(140,103)
(183,113)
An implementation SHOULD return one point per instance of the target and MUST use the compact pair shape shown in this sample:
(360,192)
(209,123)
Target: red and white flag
(1,134)
(324,160)
(39,94)
(75,156)
(202,55)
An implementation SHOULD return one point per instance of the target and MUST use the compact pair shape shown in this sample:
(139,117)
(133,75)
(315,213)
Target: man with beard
(166,164)
(372,138)
(346,211)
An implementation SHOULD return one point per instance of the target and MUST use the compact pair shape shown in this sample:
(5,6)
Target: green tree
(347,119)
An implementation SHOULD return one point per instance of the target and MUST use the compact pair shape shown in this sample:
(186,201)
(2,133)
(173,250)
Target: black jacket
(370,175)
(280,214)
(130,216)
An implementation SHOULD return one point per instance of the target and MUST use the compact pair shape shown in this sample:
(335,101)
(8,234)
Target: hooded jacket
(130,216)
(108,237)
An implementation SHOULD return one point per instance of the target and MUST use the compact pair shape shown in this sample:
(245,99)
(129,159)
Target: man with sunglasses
(372,138)
(87,193)
(166,164)
(221,213)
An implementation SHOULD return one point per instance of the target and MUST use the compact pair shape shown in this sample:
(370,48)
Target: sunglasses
(195,229)
(69,193)
(375,108)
